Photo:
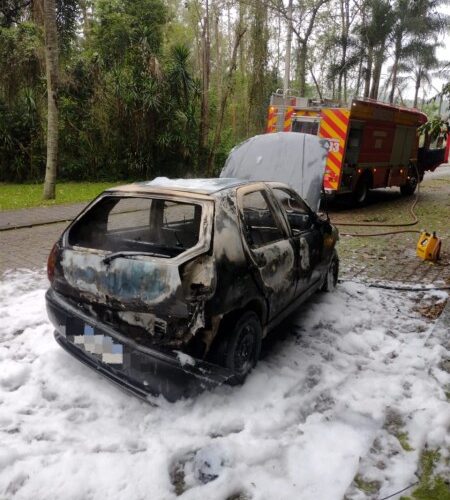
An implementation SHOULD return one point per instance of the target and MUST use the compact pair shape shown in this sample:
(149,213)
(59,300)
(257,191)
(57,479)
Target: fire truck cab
(371,144)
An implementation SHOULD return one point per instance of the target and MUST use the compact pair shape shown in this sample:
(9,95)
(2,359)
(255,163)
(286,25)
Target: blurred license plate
(101,346)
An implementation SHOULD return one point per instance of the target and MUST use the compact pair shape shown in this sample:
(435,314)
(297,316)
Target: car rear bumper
(143,371)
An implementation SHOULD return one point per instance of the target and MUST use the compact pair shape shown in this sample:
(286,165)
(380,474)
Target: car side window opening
(298,213)
(138,224)
(261,228)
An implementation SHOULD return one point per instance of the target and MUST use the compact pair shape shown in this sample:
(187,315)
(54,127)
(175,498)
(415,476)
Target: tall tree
(257,86)
(404,23)
(240,31)
(381,26)
(423,62)
(287,56)
(303,29)
(51,70)
(205,76)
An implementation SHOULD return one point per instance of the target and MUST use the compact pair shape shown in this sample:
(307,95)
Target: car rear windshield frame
(150,223)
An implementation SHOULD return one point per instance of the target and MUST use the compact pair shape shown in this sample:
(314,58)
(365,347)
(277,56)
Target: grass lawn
(15,196)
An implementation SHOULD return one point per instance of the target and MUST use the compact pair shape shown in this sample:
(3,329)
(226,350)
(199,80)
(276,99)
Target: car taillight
(51,262)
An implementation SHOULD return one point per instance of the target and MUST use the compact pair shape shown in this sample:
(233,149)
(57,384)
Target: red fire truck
(371,144)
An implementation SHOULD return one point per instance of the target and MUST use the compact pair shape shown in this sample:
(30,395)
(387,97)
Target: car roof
(201,186)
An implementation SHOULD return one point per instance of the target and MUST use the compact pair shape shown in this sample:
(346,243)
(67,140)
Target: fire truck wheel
(409,188)
(361,191)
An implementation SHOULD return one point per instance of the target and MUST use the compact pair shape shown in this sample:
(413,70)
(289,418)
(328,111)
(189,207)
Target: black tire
(239,345)
(331,278)
(361,191)
(409,188)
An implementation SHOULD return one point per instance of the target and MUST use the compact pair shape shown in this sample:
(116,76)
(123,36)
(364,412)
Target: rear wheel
(410,186)
(332,275)
(361,191)
(239,345)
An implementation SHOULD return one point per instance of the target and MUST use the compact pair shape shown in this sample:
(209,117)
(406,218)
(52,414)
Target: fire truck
(371,144)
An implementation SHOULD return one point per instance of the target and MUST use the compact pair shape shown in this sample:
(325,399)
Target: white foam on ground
(322,406)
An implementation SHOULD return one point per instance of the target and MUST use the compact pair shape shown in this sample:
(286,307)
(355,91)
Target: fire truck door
(354,143)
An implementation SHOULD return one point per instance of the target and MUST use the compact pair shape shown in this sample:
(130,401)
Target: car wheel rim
(245,349)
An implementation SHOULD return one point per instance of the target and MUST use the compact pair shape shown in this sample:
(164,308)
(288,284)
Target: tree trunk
(223,103)
(257,111)
(204,94)
(316,83)
(345,86)
(398,50)
(278,59)
(218,56)
(344,5)
(287,60)
(416,93)
(378,64)
(368,72)
(358,80)
(302,54)
(51,70)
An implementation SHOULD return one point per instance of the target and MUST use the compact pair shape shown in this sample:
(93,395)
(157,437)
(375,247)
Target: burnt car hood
(138,283)
(291,157)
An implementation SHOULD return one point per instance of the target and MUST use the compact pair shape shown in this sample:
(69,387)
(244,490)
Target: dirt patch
(431,311)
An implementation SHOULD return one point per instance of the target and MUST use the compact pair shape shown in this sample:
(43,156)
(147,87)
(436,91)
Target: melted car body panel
(141,280)
(236,286)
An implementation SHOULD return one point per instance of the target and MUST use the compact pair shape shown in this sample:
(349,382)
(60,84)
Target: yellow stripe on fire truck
(288,119)
(334,126)
(272,119)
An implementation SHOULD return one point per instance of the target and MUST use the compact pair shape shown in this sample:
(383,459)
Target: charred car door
(306,236)
(268,246)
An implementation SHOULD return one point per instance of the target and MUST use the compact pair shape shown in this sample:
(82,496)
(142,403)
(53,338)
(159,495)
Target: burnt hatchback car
(169,287)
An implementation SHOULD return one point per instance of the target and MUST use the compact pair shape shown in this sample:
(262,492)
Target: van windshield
(136,224)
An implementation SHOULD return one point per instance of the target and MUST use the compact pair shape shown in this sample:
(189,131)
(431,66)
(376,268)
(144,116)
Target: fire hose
(371,224)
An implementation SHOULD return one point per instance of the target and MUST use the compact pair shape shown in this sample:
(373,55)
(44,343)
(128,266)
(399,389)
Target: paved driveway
(28,247)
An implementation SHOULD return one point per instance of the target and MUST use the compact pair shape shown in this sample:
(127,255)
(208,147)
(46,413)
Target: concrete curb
(39,216)
(24,226)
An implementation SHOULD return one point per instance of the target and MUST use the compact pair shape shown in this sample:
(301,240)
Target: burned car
(170,286)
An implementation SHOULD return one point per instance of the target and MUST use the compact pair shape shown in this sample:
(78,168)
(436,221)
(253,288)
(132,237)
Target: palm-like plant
(418,24)
(422,63)
(178,75)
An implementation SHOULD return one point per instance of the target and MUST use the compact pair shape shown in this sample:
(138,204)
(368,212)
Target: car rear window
(137,224)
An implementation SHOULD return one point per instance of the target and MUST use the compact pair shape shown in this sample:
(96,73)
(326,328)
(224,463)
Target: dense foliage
(153,87)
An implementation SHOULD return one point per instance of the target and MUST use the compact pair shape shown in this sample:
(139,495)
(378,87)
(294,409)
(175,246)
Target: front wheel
(240,345)
(332,275)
